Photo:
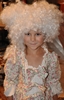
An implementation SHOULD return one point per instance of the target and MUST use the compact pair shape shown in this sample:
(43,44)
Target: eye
(27,33)
(38,34)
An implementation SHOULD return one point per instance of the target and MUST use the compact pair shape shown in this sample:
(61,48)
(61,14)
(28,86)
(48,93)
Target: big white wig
(20,18)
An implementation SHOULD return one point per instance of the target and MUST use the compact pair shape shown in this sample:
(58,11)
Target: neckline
(25,61)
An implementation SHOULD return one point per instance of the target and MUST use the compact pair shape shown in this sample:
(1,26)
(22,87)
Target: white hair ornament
(20,18)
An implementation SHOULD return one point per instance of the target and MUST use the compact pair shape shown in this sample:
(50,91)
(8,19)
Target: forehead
(34,32)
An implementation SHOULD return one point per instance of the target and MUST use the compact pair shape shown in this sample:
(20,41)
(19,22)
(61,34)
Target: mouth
(33,43)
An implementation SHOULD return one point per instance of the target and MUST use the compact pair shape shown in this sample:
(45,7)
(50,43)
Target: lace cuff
(10,91)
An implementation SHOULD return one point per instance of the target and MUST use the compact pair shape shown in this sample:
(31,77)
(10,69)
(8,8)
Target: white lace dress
(25,82)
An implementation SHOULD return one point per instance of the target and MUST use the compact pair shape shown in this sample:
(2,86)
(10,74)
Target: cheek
(26,40)
(41,39)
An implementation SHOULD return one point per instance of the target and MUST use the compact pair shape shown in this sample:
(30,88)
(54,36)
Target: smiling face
(33,40)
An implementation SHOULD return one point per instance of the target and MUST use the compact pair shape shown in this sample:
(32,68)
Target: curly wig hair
(20,18)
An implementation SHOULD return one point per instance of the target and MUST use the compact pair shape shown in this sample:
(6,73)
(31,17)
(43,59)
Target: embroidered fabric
(32,83)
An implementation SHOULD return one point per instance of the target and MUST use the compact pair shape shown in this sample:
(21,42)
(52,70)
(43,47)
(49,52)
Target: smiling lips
(33,43)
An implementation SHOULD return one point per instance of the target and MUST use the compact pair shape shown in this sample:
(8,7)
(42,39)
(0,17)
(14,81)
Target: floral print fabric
(26,82)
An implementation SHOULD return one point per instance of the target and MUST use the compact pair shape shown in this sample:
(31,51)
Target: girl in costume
(32,72)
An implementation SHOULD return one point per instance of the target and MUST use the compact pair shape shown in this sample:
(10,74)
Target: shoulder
(13,54)
(52,54)
(52,57)
(10,50)
(49,53)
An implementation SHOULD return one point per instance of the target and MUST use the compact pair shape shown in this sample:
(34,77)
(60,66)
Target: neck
(38,51)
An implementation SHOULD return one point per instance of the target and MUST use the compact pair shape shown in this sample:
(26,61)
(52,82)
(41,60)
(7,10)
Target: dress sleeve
(54,74)
(11,70)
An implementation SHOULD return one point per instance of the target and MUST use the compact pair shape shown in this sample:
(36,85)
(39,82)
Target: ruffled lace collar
(25,62)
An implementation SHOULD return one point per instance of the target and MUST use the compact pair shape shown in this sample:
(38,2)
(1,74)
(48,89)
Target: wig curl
(20,18)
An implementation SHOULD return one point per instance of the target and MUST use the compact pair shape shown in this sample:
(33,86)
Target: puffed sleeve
(11,70)
(54,74)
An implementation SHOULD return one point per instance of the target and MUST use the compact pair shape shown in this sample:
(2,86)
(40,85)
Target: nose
(32,37)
